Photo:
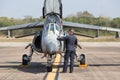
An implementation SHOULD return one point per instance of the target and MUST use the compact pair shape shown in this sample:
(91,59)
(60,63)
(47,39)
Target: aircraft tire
(49,68)
(25,59)
(82,61)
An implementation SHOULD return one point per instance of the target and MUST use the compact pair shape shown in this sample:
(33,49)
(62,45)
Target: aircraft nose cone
(52,47)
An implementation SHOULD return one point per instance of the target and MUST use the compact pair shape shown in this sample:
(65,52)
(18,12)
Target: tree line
(80,17)
(88,18)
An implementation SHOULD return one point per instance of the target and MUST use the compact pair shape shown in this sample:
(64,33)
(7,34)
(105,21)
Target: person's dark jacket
(71,42)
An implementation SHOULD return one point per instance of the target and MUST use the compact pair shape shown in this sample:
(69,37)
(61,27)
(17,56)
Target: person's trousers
(69,54)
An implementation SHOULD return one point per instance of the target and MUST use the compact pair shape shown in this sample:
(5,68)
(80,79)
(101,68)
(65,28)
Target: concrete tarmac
(103,64)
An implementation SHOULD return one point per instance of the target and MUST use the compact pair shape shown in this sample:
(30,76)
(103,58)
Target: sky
(22,8)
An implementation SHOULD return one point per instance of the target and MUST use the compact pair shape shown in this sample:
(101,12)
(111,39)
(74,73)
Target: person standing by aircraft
(71,42)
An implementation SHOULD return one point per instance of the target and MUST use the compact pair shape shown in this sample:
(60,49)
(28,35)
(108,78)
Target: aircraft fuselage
(52,29)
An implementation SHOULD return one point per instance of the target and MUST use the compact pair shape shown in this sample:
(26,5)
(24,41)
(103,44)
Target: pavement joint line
(84,44)
(52,75)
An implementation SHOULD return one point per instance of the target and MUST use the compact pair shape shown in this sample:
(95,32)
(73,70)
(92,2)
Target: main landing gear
(27,58)
(81,59)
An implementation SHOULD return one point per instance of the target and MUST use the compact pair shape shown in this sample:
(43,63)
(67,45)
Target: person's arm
(76,43)
(79,46)
(62,38)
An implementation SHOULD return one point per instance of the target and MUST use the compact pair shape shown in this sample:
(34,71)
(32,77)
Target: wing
(23,26)
(86,26)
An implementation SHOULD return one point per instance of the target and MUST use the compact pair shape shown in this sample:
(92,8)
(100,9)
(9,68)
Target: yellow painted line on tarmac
(52,75)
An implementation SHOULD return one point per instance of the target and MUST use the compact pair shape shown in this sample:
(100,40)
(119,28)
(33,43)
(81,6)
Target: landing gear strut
(49,63)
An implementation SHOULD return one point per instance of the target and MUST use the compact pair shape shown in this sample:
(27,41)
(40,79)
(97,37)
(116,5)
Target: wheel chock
(83,65)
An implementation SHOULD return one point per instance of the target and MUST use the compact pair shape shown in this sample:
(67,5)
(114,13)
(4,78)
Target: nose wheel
(49,68)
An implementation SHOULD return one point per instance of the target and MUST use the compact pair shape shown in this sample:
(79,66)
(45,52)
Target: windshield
(47,28)
(52,27)
(57,28)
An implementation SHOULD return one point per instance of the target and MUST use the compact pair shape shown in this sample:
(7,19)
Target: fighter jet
(45,41)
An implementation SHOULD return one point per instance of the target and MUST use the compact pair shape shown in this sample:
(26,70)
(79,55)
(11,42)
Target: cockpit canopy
(52,6)
(53,24)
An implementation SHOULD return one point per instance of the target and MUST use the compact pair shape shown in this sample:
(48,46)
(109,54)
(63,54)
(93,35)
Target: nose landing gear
(49,63)
(49,68)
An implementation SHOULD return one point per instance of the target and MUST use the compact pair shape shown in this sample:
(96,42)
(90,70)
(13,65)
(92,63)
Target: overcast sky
(21,8)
